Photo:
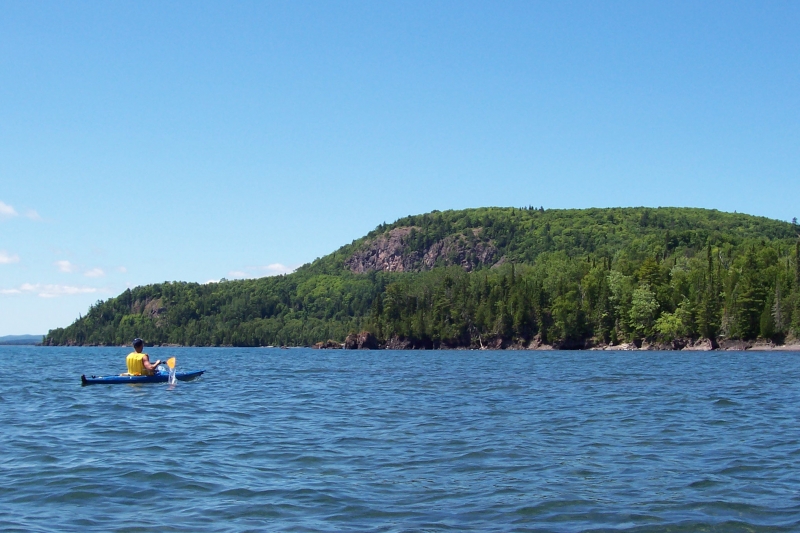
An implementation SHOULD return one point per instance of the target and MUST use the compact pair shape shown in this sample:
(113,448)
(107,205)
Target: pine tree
(777,315)
(797,264)
(767,323)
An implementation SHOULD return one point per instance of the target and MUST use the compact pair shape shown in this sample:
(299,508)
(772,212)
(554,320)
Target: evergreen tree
(568,276)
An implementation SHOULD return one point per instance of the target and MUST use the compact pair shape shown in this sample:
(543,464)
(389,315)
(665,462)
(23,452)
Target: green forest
(494,277)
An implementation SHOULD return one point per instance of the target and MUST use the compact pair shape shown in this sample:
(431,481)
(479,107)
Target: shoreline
(689,345)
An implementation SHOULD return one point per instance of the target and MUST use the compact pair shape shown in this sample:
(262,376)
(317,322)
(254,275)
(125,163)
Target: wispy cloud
(6,211)
(94,273)
(122,270)
(277,268)
(6,258)
(50,291)
(65,266)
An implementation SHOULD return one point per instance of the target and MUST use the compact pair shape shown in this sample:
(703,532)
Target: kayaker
(139,363)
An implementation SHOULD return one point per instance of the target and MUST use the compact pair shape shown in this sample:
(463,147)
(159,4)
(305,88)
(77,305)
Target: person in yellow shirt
(139,363)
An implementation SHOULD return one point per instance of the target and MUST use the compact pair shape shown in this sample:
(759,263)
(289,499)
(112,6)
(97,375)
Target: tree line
(745,292)
(571,278)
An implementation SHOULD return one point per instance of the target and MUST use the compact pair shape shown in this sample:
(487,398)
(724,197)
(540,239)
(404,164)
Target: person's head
(138,344)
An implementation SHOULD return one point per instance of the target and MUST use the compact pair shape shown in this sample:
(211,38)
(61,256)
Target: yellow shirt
(135,364)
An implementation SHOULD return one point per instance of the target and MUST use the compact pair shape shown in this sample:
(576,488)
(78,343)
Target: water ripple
(305,440)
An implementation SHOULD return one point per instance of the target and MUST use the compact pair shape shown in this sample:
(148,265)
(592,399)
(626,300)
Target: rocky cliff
(398,251)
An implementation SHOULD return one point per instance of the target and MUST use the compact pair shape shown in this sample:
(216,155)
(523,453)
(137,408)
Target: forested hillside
(496,277)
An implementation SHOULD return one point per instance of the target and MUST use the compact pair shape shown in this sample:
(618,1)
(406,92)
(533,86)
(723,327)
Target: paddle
(169,362)
(171,365)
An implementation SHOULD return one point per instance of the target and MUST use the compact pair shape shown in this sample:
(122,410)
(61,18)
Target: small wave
(433,441)
(725,402)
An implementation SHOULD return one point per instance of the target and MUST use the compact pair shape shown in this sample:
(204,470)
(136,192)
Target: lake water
(305,440)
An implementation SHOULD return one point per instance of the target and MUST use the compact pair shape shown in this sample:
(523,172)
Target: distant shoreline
(21,340)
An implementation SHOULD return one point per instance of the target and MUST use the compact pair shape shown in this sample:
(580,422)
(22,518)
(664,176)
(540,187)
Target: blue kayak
(158,377)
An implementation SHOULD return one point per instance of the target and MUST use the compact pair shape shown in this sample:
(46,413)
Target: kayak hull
(158,377)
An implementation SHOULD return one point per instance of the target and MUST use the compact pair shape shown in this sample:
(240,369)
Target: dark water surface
(306,440)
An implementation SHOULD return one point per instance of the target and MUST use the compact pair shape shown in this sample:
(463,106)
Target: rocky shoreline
(705,345)
(367,341)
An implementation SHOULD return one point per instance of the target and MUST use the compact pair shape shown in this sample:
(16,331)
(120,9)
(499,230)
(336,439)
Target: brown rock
(396,343)
(734,344)
(537,344)
(679,344)
(362,341)
(762,345)
(351,342)
(701,345)
(389,253)
(367,341)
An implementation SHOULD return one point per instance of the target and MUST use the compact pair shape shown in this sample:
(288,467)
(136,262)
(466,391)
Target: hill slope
(495,276)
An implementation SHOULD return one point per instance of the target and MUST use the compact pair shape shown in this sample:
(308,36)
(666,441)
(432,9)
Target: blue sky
(143,142)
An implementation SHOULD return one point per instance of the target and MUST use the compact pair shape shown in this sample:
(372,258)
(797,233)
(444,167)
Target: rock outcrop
(538,344)
(362,341)
(697,345)
(702,345)
(328,345)
(396,343)
(391,252)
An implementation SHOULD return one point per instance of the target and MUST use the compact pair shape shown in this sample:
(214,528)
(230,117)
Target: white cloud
(65,266)
(6,211)
(6,259)
(50,291)
(10,291)
(211,281)
(277,268)
(122,270)
(94,273)
(274,269)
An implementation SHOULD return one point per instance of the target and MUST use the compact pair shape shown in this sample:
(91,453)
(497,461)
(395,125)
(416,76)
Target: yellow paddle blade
(171,362)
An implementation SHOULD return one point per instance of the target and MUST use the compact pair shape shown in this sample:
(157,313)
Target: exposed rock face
(328,345)
(384,253)
(351,342)
(537,344)
(738,345)
(496,343)
(396,343)
(677,344)
(149,307)
(570,344)
(702,345)
(458,250)
(154,308)
(390,252)
(363,341)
